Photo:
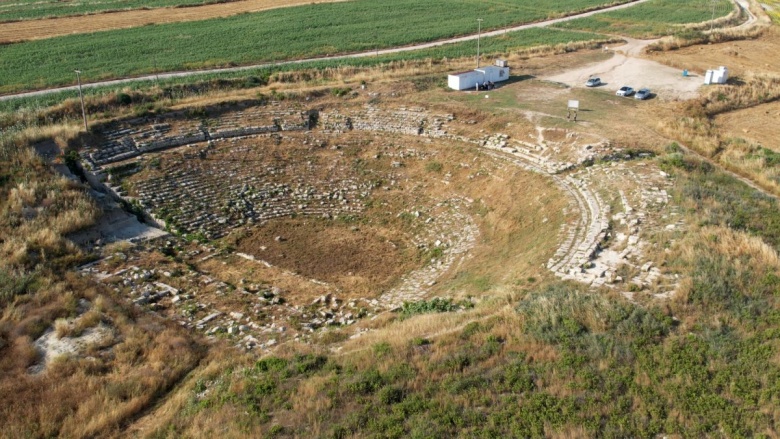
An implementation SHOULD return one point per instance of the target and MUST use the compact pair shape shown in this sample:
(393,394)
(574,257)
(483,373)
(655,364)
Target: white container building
(468,80)
(464,80)
(719,76)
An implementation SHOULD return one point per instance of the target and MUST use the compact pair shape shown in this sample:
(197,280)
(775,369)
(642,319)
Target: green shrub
(470,329)
(411,405)
(308,363)
(558,312)
(462,384)
(255,81)
(673,147)
(366,383)
(457,362)
(13,283)
(434,166)
(340,91)
(645,326)
(517,377)
(674,160)
(434,305)
(419,341)
(381,349)
(271,364)
(390,395)
(124,99)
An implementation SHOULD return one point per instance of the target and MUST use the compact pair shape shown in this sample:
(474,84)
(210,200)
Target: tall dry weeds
(38,208)
(694,35)
(693,124)
(750,258)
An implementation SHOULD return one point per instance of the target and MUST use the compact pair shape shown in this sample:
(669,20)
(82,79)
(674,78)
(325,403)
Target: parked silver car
(625,91)
(642,94)
(593,82)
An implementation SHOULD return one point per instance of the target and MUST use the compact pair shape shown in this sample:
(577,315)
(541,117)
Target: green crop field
(289,33)
(651,19)
(34,9)
(773,9)
(492,45)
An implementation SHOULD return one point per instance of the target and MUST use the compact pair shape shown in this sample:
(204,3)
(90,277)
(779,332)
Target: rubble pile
(251,315)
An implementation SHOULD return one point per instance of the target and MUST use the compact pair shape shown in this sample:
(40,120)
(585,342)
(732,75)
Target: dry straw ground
(76,397)
(527,362)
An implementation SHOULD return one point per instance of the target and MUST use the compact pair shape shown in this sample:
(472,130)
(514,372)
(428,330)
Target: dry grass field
(732,124)
(390,270)
(760,55)
(94,392)
(756,125)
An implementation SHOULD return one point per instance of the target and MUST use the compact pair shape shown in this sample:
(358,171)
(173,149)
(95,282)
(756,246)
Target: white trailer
(464,80)
(468,80)
(494,73)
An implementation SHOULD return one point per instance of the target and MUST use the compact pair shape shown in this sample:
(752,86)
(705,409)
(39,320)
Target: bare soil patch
(54,27)
(761,55)
(329,251)
(626,67)
(757,124)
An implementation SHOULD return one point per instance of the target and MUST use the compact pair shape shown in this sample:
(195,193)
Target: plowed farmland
(54,27)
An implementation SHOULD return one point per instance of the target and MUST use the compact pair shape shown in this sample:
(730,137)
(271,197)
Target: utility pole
(156,72)
(479,34)
(81,96)
(712,20)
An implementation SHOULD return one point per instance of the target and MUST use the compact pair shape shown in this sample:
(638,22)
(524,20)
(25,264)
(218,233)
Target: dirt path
(745,5)
(55,27)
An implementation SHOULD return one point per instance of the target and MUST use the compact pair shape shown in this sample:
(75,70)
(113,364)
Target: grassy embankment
(276,35)
(550,361)
(694,125)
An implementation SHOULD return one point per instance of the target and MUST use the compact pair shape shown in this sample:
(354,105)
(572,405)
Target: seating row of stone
(213,196)
(452,232)
(410,121)
(129,139)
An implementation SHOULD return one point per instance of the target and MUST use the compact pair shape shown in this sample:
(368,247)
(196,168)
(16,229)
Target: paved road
(323,58)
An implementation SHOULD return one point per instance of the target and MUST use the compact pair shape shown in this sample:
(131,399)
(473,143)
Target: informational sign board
(574,105)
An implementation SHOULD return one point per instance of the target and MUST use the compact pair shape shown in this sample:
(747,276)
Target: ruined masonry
(196,196)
